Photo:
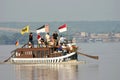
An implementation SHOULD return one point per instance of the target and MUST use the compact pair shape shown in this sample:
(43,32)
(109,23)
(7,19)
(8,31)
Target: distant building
(83,34)
(103,36)
(117,35)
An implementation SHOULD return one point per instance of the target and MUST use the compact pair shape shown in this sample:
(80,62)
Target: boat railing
(36,53)
(32,52)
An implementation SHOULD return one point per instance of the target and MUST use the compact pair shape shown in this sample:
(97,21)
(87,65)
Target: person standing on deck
(61,40)
(55,37)
(31,38)
(39,39)
(47,36)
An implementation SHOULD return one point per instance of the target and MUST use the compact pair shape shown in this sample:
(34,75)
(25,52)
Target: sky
(59,10)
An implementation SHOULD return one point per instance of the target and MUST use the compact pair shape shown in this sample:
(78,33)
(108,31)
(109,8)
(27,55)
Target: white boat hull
(42,60)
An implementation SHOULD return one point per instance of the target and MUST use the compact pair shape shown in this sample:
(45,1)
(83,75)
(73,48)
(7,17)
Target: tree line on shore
(11,39)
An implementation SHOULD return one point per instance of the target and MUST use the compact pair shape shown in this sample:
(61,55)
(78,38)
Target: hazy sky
(59,10)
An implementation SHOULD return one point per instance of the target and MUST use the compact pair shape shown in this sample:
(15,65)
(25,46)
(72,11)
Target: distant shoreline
(11,33)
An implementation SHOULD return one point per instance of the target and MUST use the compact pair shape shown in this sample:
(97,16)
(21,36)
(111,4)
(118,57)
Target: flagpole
(67,32)
(25,29)
(63,28)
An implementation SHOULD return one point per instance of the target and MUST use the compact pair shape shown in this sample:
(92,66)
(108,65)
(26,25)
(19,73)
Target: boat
(46,53)
(43,55)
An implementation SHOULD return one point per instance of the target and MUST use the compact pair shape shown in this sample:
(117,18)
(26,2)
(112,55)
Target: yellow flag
(25,30)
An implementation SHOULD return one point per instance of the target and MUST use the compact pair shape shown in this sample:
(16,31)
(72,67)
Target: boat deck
(41,55)
(36,53)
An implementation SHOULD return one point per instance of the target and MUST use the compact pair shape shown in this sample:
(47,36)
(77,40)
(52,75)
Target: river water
(106,68)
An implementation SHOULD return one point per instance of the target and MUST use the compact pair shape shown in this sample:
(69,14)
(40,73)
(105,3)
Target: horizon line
(60,21)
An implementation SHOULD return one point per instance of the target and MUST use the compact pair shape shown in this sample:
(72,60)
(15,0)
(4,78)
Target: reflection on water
(46,72)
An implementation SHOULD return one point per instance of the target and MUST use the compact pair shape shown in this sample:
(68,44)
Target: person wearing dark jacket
(31,38)
(55,37)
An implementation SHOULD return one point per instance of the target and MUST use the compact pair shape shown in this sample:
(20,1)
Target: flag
(44,28)
(25,30)
(17,43)
(63,28)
